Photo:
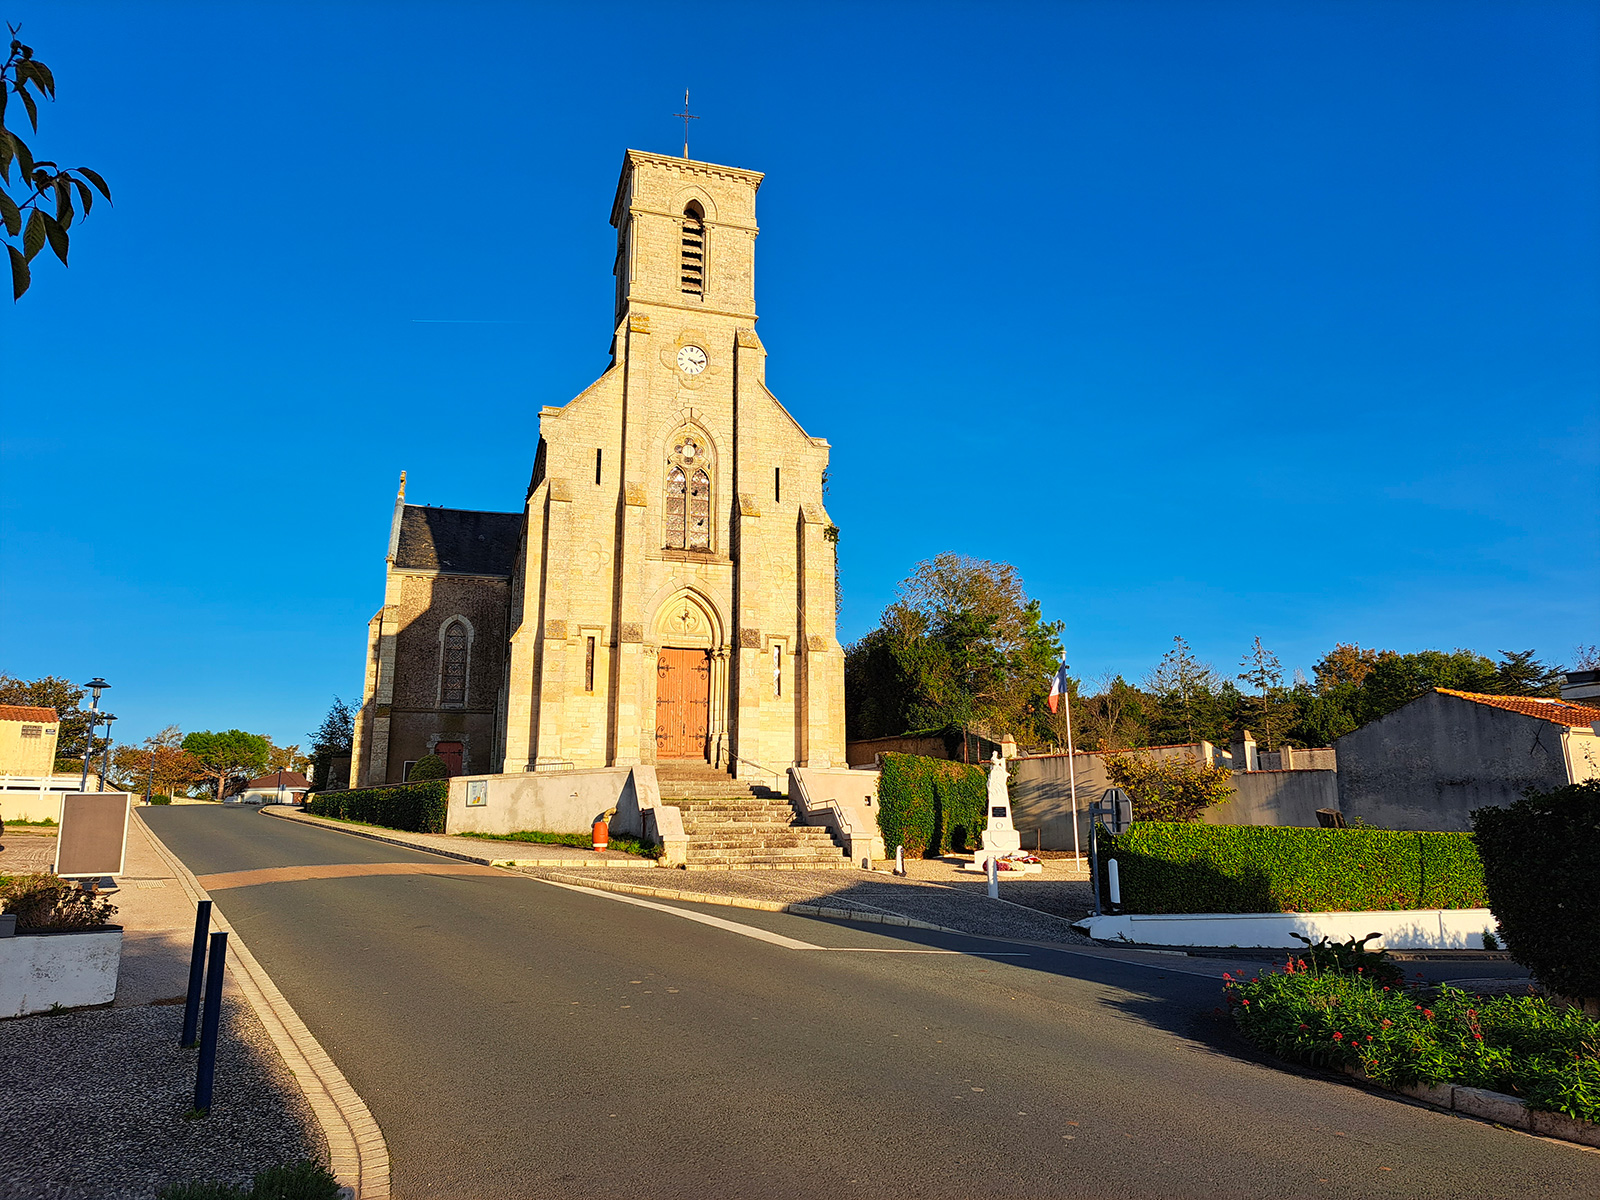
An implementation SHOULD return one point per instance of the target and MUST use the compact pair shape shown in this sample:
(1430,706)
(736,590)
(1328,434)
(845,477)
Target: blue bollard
(208,1031)
(197,970)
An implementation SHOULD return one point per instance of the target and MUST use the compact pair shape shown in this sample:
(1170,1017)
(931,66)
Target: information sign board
(93,836)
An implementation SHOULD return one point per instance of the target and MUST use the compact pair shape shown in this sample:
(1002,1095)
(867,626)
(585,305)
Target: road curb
(800,910)
(487,860)
(357,1153)
(1495,1107)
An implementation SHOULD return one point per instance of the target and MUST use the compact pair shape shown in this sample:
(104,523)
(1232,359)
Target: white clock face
(691,360)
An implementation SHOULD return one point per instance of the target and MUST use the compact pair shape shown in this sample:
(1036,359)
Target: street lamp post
(95,685)
(105,761)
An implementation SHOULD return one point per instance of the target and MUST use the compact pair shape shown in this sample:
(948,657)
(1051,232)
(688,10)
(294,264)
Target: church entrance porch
(683,704)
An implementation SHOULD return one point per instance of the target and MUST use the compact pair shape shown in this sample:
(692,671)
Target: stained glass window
(699,512)
(453,665)
(675,508)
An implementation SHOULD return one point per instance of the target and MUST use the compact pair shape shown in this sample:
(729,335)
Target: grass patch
(1520,1045)
(304,1180)
(582,841)
(22,823)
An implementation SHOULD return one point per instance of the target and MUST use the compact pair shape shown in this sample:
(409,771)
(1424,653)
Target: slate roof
(1561,712)
(458,541)
(23,712)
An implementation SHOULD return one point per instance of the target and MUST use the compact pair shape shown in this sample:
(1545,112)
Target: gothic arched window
(688,493)
(692,260)
(453,663)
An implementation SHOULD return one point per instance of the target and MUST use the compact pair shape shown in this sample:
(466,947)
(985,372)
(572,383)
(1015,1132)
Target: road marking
(234,879)
(763,935)
(750,931)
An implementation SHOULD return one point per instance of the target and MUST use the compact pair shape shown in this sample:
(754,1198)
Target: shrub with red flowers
(1520,1045)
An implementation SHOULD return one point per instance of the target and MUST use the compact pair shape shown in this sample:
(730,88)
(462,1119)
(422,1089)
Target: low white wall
(1406,929)
(549,801)
(69,969)
(30,806)
(845,801)
(641,814)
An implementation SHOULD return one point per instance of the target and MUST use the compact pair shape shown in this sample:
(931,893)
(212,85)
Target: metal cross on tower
(687,117)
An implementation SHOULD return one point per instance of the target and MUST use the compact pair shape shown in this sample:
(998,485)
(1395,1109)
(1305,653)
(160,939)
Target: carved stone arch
(688,619)
(681,198)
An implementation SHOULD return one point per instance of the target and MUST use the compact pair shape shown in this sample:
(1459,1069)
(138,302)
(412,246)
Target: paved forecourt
(516,1037)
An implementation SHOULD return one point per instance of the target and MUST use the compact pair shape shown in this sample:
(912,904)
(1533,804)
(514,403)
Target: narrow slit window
(777,670)
(777,484)
(597,453)
(692,258)
(588,666)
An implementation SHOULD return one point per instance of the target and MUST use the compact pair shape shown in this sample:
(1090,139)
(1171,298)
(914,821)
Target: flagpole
(1072,773)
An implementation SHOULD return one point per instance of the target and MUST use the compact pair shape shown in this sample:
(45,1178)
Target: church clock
(691,360)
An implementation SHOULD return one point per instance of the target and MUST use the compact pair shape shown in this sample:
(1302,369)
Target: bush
(1541,860)
(414,807)
(931,806)
(1168,789)
(47,901)
(304,1180)
(160,799)
(1186,868)
(429,766)
(1519,1045)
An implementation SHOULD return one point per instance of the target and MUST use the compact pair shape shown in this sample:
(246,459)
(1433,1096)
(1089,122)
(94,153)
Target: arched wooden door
(683,703)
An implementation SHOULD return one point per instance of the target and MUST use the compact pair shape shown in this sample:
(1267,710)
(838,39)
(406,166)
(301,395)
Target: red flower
(1337,1036)
(1428,1012)
(1304,1026)
(1387,1022)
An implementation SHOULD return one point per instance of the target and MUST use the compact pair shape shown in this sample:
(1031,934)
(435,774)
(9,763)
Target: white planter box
(1405,929)
(70,969)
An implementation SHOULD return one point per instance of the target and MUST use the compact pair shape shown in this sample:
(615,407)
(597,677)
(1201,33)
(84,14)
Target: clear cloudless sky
(1216,319)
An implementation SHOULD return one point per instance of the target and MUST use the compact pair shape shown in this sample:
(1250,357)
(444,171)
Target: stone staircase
(735,826)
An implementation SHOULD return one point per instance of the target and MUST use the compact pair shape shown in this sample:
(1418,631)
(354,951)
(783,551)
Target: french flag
(1058,686)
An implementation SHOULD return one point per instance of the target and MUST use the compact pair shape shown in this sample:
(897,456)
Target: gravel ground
(23,853)
(94,1102)
(957,906)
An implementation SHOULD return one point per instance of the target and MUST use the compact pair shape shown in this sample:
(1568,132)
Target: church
(667,592)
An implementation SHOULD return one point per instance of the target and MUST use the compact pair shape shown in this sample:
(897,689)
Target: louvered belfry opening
(693,262)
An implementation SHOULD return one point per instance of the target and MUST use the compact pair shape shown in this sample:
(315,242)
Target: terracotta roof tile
(23,712)
(1561,712)
(292,781)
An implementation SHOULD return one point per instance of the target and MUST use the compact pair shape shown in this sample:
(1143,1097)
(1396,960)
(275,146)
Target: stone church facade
(668,592)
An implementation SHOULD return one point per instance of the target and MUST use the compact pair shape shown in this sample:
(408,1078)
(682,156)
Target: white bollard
(899,860)
(994,879)
(1116,887)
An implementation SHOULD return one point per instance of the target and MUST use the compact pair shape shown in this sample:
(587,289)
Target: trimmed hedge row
(1170,867)
(413,807)
(931,806)
(1541,855)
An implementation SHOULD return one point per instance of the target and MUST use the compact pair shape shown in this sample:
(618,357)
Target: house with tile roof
(28,740)
(1429,763)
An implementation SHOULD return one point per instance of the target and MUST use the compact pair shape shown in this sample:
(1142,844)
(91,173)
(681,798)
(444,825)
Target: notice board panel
(93,839)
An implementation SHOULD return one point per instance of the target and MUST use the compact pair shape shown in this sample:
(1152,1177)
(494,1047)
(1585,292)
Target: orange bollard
(602,838)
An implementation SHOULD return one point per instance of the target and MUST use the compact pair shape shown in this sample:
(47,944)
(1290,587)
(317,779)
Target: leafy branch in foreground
(41,182)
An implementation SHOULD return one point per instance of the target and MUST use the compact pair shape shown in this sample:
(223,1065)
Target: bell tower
(686,238)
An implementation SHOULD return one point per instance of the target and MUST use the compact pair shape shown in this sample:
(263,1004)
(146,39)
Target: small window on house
(692,272)
(453,665)
(777,670)
(597,453)
(777,484)
(588,666)
(31,731)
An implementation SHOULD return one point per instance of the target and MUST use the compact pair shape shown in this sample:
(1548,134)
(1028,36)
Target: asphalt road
(514,1038)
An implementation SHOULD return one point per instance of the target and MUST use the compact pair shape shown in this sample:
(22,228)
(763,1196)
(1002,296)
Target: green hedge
(1541,857)
(1185,868)
(414,807)
(931,806)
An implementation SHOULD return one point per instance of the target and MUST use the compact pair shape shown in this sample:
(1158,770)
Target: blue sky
(1216,319)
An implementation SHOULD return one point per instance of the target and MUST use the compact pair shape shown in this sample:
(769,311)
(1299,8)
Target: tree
(1270,710)
(1114,718)
(1521,674)
(332,738)
(285,758)
(40,182)
(1346,665)
(1186,696)
(961,646)
(174,768)
(72,722)
(1586,658)
(229,756)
